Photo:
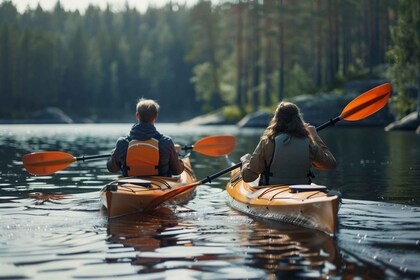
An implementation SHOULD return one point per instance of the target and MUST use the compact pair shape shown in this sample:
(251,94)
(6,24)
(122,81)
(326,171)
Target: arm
(255,165)
(321,156)
(176,166)
(113,163)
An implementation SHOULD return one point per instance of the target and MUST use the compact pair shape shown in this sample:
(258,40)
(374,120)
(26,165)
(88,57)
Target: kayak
(310,206)
(128,195)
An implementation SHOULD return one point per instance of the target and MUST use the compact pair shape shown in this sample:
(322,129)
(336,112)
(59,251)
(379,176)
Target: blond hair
(147,110)
(287,119)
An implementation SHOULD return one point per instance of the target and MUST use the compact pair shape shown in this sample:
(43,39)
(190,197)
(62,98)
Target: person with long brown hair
(287,150)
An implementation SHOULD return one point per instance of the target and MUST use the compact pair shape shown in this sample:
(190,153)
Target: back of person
(145,151)
(291,162)
(142,157)
(287,150)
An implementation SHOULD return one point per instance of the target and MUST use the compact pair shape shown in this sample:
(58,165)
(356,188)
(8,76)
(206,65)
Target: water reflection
(51,226)
(223,250)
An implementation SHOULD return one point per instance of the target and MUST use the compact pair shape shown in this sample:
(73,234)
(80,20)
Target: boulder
(257,119)
(213,118)
(409,122)
(320,108)
(51,115)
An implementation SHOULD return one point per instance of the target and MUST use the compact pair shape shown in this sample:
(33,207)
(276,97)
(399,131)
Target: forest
(239,55)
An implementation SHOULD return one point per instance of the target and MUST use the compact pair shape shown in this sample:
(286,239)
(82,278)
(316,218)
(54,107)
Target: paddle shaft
(359,108)
(83,158)
(159,200)
(328,123)
(208,179)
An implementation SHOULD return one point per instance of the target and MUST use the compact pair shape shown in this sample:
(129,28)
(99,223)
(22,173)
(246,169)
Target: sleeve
(321,156)
(113,163)
(256,165)
(176,166)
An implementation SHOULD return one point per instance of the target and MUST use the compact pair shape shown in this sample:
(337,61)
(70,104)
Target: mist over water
(53,226)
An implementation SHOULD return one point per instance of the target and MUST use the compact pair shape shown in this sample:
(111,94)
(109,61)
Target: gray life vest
(291,161)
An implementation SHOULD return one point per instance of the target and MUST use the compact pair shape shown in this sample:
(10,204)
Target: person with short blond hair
(145,151)
(287,150)
(147,110)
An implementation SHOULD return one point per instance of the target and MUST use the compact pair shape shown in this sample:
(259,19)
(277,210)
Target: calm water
(52,227)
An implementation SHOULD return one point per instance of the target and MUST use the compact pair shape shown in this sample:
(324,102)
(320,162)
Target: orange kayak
(132,194)
(305,205)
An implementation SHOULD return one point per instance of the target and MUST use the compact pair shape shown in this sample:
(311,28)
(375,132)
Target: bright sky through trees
(81,5)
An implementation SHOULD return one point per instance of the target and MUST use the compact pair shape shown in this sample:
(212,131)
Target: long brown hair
(286,119)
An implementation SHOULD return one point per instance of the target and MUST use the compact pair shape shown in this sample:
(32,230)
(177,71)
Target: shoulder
(122,141)
(265,145)
(266,142)
(164,138)
(165,142)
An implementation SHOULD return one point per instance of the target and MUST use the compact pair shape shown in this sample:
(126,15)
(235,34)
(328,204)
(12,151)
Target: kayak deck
(129,195)
(311,207)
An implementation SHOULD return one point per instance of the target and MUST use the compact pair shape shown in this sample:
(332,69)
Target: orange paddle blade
(367,104)
(167,196)
(215,146)
(45,163)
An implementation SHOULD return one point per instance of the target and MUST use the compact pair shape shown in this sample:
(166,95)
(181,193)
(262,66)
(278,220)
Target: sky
(81,5)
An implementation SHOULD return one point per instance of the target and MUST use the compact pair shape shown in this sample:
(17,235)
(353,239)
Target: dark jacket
(169,164)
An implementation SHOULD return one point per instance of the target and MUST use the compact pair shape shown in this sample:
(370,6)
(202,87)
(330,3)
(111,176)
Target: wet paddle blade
(167,196)
(45,163)
(215,146)
(367,104)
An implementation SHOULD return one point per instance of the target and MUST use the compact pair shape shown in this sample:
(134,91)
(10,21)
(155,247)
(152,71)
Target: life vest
(291,161)
(142,157)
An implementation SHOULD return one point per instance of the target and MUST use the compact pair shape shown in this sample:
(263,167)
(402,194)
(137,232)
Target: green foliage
(402,104)
(298,82)
(202,81)
(199,58)
(232,113)
(95,63)
(405,56)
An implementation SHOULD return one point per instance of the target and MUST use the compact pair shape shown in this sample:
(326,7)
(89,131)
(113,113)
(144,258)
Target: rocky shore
(320,108)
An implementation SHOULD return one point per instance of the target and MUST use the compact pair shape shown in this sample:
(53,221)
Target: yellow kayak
(305,205)
(132,194)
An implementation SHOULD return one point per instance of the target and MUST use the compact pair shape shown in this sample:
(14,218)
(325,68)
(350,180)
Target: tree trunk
(255,56)
(239,56)
(418,95)
(332,66)
(281,52)
(318,44)
(246,83)
(268,52)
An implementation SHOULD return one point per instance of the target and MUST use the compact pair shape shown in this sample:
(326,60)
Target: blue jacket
(169,164)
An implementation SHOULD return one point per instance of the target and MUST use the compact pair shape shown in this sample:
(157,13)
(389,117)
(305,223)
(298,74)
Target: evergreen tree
(405,54)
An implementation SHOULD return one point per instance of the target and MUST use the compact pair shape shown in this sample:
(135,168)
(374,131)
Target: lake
(53,227)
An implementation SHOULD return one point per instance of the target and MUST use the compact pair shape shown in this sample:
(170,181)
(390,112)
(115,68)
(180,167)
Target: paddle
(214,146)
(45,163)
(359,108)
